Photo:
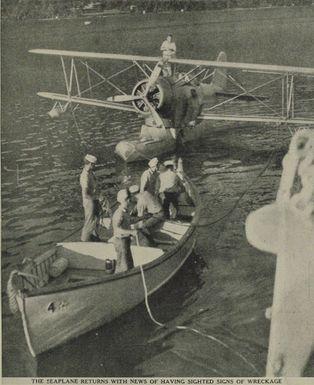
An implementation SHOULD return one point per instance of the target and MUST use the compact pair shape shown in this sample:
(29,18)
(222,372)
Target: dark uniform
(149,180)
(122,240)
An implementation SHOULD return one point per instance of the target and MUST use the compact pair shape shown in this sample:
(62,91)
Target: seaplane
(175,95)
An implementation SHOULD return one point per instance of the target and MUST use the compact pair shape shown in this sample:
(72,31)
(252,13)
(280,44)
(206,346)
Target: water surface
(226,285)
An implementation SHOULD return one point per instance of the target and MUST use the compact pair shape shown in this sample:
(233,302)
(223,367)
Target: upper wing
(94,55)
(206,63)
(248,66)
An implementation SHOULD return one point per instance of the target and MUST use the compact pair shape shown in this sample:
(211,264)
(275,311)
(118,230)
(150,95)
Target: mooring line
(229,212)
(190,329)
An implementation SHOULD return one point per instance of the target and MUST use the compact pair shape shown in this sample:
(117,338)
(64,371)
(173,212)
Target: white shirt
(88,184)
(149,180)
(169,182)
(147,203)
(168,49)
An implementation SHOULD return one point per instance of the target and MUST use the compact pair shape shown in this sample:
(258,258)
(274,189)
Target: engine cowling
(160,96)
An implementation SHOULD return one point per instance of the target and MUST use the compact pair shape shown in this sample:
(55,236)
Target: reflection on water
(225,287)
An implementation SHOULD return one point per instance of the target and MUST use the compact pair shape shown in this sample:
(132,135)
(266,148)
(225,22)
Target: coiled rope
(12,291)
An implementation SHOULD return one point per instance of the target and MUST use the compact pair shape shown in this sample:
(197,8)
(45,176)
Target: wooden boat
(85,295)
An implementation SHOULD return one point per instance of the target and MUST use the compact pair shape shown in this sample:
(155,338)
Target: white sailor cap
(169,163)
(134,189)
(122,195)
(91,158)
(153,162)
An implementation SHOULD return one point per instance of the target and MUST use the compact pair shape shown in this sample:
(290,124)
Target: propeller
(143,95)
(153,77)
(154,113)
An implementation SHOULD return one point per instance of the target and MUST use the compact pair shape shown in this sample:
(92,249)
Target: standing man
(88,184)
(168,49)
(149,177)
(194,108)
(122,233)
(170,186)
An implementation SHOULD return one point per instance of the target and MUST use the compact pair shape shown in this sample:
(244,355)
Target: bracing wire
(77,127)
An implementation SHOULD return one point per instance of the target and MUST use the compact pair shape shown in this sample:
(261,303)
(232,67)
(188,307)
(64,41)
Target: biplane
(174,95)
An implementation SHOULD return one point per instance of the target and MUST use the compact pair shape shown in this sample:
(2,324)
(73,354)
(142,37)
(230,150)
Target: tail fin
(220,74)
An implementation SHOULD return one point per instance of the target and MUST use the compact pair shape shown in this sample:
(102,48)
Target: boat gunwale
(113,277)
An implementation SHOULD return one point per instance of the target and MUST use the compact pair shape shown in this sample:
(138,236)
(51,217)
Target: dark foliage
(22,9)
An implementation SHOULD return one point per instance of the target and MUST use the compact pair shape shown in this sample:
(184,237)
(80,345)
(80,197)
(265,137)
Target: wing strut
(252,95)
(245,92)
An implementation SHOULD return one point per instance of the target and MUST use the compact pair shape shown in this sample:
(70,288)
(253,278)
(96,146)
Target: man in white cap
(170,186)
(122,233)
(149,177)
(148,209)
(88,184)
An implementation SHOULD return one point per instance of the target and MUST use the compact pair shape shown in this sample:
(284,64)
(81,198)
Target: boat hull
(62,310)
(53,318)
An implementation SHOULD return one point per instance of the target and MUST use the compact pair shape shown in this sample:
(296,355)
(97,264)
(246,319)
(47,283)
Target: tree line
(24,9)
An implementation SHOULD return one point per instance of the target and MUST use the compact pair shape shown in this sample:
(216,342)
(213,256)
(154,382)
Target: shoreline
(112,13)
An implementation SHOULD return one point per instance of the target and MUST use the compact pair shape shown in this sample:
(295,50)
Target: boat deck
(73,262)
(87,260)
